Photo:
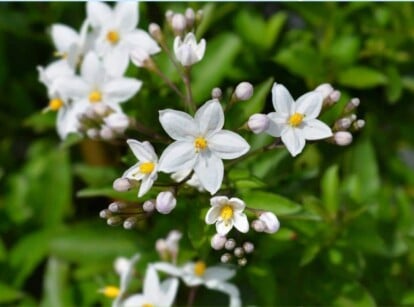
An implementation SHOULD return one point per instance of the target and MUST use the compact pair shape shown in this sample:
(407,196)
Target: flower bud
(178,23)
(121,265)
(244,91)
(130,222)
(238,252)
(270,221)
(258,225)
(106,133)
(155,31)
(230,244)
(242,261)
(122,184)
(258,123)
(92,133)
(118,122)
(199,15)
(216,93)
(359,124)
(101,109)
(190,17)
(217,241)
(342,138)
(140,57)
(104,214)
(325,89)
(165,202)
(248,247)
(114,220)
(161,246)
(148,206)
(225,258)
(352,105)
(343,123)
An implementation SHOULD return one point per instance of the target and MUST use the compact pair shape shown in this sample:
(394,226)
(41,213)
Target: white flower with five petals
(296,122)
(227,213)
(200,144)
(187,51)
(146,168)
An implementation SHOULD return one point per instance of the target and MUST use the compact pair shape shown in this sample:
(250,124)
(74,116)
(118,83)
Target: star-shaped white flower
(200,144)
(197,273)
(146,168)
(296,122)
(227,213)
(117,33)
(187,51)
(154,293)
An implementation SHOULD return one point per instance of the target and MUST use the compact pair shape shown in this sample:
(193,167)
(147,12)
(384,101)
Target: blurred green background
(348,227)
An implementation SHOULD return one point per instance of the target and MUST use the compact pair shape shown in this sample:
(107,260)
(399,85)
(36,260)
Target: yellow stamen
(112,37)
(111,291)
(296,119)
(146,167)
(55,104)
(62,55)
(226,212)
(200,143)
(95,96)
(199,268)
(147,305)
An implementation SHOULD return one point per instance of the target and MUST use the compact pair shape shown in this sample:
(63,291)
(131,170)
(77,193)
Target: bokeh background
(351,242)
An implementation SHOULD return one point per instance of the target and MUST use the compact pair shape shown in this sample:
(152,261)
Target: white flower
(154,293)
(200,144)
(226,213)
(169,247)
(296,122)
(197,273)
(146,168)
(117,32)
(188,51)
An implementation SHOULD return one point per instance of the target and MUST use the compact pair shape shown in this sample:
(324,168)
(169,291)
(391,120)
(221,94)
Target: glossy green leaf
(330,190)
(361,77)
(270,202)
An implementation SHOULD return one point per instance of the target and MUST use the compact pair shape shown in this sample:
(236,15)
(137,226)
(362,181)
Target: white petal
(98,13)
(309,104)
(201,48)
(128,273)
(192,280)
(240,222)
(210,117)
(218,201)
(74,88)
(120,89)
(151,287)
(282,100)
(139,39)
(146,184)
(212,214)
(177,156)
(169,288)
(219,273)
(209,170)
(135,300)
(293,140)
(178,125)
(168,268)
(92,69)
(224,227)
(227,144)
(237,204)
(67,119)
(141,150)
(133,172)
(63,37)
(126,15)
(177,45)
(276,124)
(116,61)
(315,130)
(225,287)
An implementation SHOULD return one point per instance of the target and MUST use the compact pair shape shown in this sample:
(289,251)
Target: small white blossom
(270,221)
(200,144)
(296,122)
(187,51)
(226,213)
(146,168)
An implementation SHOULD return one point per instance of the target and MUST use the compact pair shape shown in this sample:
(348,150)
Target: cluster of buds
(181,23)
(100,121)
(233,252)
(127,214)
(266,222)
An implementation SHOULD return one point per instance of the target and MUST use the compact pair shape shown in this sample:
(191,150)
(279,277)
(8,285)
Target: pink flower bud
(258,123)
(258,225)
(107,133)
(190,17)
(342,138)
(121,184)
(155,31)
(248,247)
(165,202)
(148,206)
(178,23)
(244,91)
(216,93)
(218,241)
(270,221)
(118,122)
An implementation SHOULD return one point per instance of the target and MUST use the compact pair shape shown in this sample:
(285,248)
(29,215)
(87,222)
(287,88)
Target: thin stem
(191,296)
(169,82)
(187,81)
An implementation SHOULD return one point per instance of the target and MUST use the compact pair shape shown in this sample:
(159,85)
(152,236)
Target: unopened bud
(217,241)
(115,207)
(258,225)
(106,133)
(155,31)
(199,15)
(130,222)
(242,261)
(190,17)
(270,221)
(121,184)
(92,133)
(114,221)
(230,244)
(101,109)
(343,123)
(225,258)
(244,91)
(248,247)
(148,206)
(359,124)
(104,214)
(118,122)
(161,246)
(335,96)
(325,89)
(342,138)
(216,93)
(121,265)
(353,117)
(165,202)
(140,57)
(178,23)
(238,252)
(90,114)
(169,15)
(258,123)
(352,105)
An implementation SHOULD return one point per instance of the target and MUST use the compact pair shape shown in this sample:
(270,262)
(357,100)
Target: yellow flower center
(199,268)
(55,104)
(146,167)
(95,96)
(296,119)
(200,143)
(147,305)
(111,291)
(59,54)
(112,37)
(226,212)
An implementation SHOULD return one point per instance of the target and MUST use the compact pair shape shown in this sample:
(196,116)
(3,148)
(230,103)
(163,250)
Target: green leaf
(354,294)
(71,139)
(395,85)
(95,175)
(310,253)
(270,202)
(344,50)
(330,190)
(9,294)
(264,284)
(221,53)
(361,77)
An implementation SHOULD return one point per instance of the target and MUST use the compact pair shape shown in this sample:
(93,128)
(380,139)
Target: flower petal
(120,89)
(227,288)
(223,228)
(151,287)
(67,120)
(74,88)
(168,268)
(240,222)
(92,69)
(63,37)
(212,215)
(315,129)
(276,124)
(146,185)
(169,288)
(219,273)
(139,39)
(237,203)
(177,156)
(126,15)
(209,170)
(218,201)
(210,117)
(135,300)
(201,48)
(116,61)
(309,104)
(282,100)
(98,13)
(178,125)
(227,144)
(142,151)
(293,140)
